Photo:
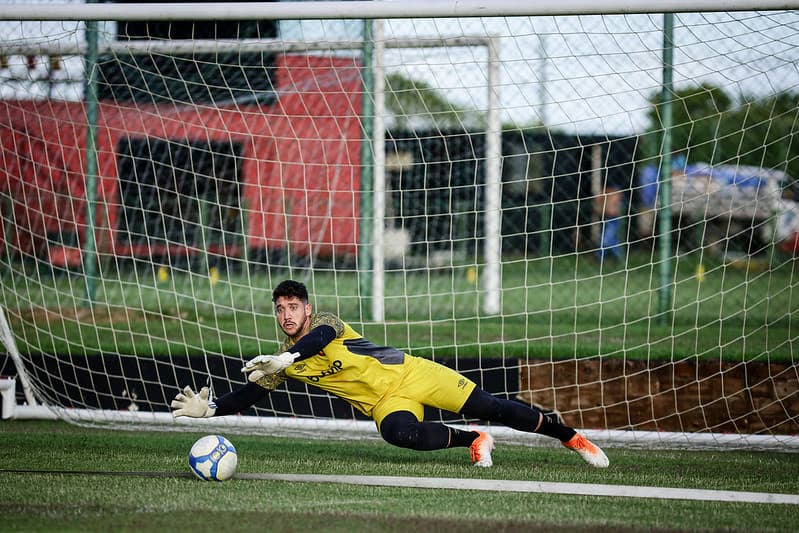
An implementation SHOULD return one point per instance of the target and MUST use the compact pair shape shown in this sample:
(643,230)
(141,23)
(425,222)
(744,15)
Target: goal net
(594,213)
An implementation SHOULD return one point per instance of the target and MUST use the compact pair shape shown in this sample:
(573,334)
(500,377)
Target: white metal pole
(371,10)
(493,188)
(379,176)
(7,339)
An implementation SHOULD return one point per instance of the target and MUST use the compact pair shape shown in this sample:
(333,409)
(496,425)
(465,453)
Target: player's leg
(516,415)
(403,429)
(435,385)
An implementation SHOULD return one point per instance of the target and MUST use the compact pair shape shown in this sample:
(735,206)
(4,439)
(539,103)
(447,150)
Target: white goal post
(366,9)
(501,150)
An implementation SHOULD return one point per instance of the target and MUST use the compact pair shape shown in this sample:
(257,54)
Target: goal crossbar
(202,46)
(374,10)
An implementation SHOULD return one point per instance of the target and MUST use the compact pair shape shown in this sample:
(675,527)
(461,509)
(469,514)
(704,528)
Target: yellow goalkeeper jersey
(351,367)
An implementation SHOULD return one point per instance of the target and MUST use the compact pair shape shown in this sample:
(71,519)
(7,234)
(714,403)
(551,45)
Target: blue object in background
(743,177)
(730,175)
(610,246)
(648,186)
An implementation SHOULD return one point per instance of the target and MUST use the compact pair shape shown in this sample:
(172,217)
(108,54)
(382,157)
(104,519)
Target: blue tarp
(737,176)
(744,177)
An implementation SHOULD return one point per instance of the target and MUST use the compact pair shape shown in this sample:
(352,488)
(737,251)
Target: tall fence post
(89,244)
(367,171)
(664,176)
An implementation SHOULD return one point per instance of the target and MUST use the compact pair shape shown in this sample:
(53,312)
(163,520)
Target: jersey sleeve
(328,319)
(271,381)
(239,399)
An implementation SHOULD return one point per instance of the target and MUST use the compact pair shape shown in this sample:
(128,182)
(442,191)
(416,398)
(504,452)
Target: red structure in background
(300,164)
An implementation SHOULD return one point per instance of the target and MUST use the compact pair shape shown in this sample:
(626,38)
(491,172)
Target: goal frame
(360,9)
(369,11)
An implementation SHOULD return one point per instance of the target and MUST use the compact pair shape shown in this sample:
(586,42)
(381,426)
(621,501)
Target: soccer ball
(213,458)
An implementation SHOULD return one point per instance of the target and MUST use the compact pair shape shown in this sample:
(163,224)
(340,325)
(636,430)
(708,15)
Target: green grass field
(552,308)
(57,477)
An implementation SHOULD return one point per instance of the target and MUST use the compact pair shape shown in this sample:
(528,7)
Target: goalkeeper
(385,384)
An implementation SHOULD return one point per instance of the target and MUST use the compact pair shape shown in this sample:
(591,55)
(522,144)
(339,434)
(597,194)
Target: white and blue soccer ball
(213,458)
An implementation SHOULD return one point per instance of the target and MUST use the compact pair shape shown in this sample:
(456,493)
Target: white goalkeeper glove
(266,365)
(187,403)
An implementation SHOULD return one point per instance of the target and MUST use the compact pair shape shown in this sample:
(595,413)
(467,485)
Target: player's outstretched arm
(267,365)
(187,403)
(309,345)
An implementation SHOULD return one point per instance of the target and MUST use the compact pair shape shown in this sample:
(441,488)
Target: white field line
(497,485)
(581,489)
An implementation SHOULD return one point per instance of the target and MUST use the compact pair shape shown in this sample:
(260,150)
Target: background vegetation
(712,126)
(557,308)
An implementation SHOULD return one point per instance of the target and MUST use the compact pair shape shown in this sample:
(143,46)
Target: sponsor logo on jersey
(334,368)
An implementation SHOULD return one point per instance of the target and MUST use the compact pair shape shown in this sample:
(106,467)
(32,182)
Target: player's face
(292,315)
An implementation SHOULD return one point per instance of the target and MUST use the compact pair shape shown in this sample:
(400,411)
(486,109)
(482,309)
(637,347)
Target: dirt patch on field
(659,396)
(90,315)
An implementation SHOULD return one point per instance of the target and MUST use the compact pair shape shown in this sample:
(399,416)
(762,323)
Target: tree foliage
(711,126)
(417,105)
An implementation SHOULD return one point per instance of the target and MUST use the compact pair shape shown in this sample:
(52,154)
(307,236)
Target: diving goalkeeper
(385,384)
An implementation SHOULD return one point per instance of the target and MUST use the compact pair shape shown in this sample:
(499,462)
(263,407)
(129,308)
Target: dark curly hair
(290,288)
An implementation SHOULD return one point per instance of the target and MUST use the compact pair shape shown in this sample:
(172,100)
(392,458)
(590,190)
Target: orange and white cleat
(480,450)
(589,451)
